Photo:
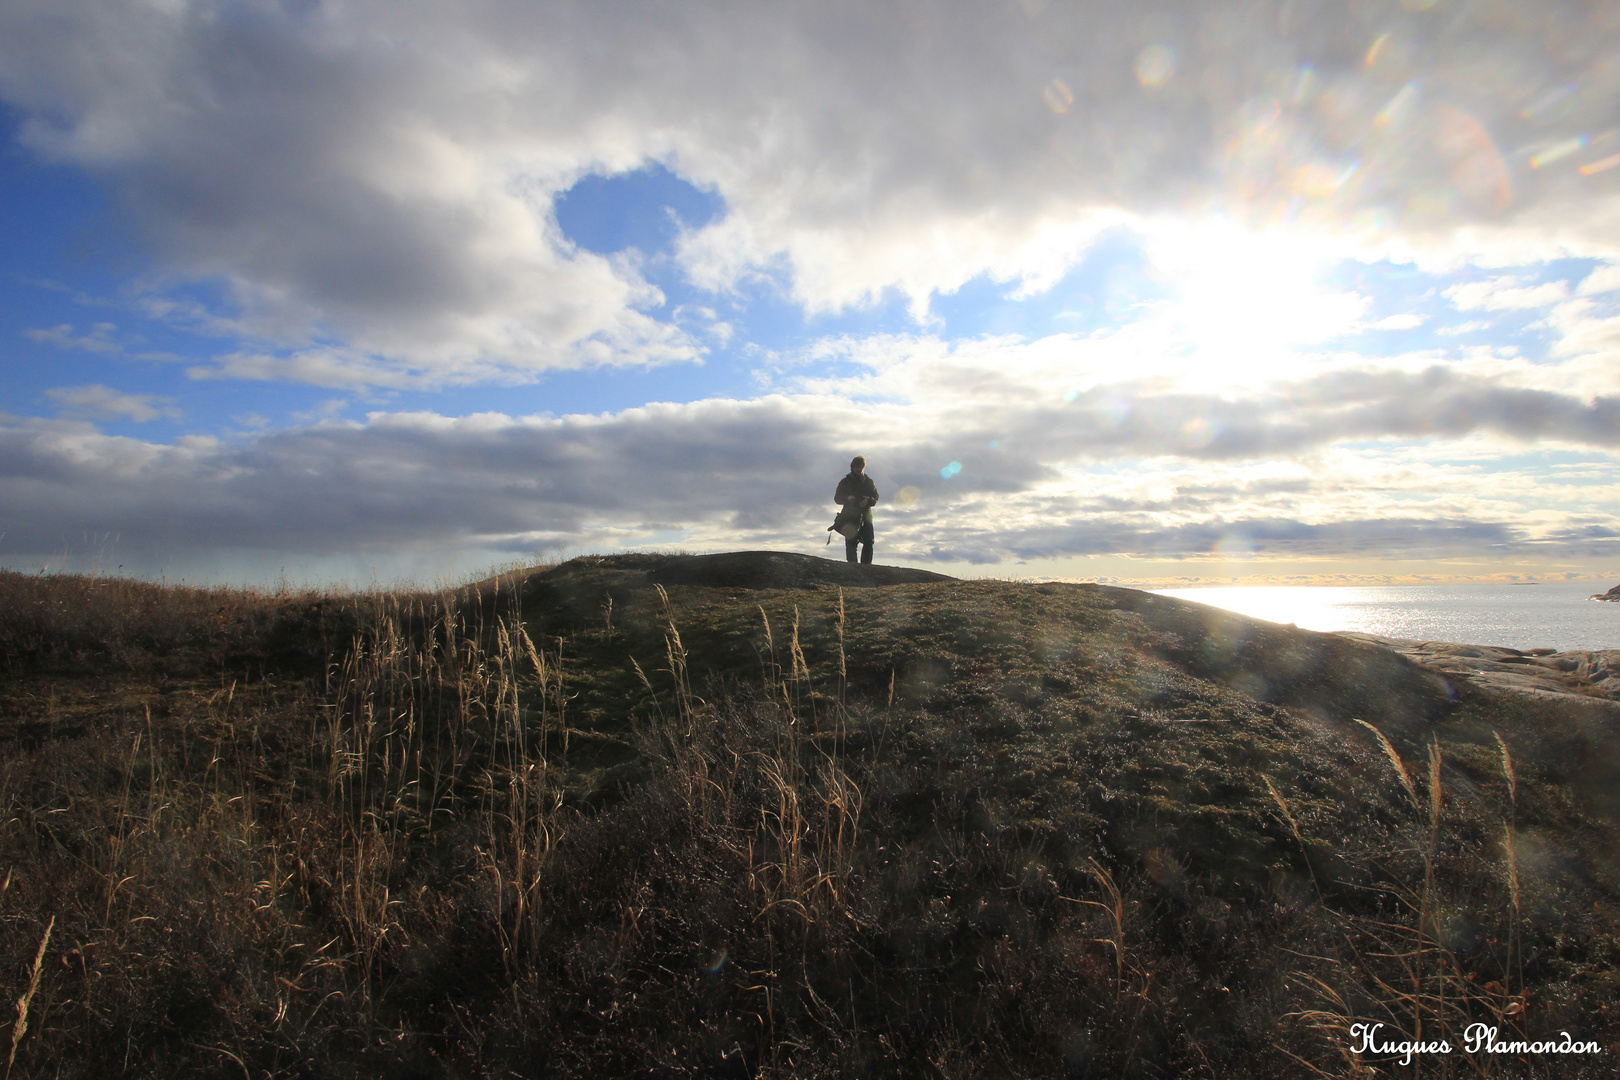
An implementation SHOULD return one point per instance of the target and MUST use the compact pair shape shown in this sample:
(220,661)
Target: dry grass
(472,834)
(20,1028)
(1403,966)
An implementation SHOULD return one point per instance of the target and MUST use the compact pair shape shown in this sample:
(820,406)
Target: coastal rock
(1612,594)
(1536,672)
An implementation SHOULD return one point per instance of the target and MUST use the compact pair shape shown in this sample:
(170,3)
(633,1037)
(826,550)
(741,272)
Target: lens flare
(950,470)
(1155,65)
(1234,545)
(1399,107)
(1058,96)
(908,496)
(1304,84)
(1550,105)
(1320,179)
(1198,433)
(1377,47)
(1601,165)
(1558,152)
(1477,169)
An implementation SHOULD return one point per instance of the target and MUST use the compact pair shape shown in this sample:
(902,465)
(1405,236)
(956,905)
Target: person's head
(858,465)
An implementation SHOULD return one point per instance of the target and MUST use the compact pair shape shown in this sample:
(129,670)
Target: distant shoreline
(1557,615)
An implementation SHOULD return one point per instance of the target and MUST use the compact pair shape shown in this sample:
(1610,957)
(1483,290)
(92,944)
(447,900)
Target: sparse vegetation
(574,823)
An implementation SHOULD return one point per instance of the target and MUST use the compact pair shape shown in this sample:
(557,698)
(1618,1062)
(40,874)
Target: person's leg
(866,538)
(849,547)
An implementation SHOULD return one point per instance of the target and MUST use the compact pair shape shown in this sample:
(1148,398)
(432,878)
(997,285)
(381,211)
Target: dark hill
(743,815)
(928,626)
(778,570)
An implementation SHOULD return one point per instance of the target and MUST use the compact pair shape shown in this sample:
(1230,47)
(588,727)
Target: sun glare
(1246,303)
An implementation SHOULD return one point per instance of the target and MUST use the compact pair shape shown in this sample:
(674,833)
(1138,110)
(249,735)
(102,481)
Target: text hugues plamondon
(1477,1039)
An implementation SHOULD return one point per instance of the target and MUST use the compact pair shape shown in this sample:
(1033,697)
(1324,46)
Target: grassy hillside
(757,815)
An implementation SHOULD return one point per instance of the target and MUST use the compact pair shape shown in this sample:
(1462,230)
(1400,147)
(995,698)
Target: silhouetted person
(857,490)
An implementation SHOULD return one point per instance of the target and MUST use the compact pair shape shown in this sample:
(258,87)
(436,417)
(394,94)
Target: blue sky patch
(645,210)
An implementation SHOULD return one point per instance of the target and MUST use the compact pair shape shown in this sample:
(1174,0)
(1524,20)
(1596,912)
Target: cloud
(1605,279)
(1392,538)
(105,402)
(332,368)
(336,185)
(1068,397)
(1398,322)
(98,340)
(379,177)
(403,480)
(1122,468)
(1505,294)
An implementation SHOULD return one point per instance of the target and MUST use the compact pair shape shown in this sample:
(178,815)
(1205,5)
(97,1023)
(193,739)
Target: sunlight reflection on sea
(1558,616)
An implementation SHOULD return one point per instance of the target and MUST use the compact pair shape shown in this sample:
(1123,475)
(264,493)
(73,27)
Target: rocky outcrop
(1538,672)
(1612,594)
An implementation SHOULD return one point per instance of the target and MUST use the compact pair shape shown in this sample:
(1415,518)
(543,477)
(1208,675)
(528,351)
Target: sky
(1296,292)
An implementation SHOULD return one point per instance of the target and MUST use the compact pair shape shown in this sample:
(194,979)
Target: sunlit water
(1519,616)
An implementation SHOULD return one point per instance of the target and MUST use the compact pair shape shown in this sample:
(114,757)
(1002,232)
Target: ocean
(1557,616)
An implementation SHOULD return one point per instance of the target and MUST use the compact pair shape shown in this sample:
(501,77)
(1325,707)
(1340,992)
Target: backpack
(848,522)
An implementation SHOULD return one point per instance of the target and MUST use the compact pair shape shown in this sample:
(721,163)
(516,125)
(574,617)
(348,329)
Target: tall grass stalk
(676,661)
(1510,849)
(1293,827)
(770,670)
(843,667)
(20,1028)
(1112,906)
(1412,960)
